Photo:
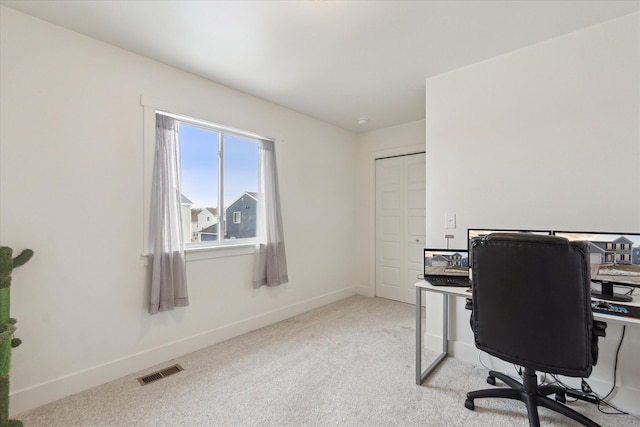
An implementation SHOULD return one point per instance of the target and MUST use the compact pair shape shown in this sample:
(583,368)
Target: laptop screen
(446,262)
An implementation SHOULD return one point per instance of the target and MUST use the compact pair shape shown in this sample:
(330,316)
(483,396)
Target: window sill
(211,252)
(198,253)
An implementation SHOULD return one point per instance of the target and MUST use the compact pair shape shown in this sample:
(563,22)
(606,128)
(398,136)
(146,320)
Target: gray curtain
(271,260)
(168,270)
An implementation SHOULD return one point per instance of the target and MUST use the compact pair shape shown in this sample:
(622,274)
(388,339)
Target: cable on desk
(619,411)
(615,372)
(615,366)
(585,392)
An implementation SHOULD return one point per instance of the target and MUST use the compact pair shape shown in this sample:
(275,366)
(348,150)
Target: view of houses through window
(219,184)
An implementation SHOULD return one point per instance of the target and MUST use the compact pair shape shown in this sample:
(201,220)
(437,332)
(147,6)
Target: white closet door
(415,222)
(400,225)
(389,224)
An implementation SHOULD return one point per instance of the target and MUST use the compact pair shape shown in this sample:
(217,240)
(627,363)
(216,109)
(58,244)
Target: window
(218,168)
(234,170)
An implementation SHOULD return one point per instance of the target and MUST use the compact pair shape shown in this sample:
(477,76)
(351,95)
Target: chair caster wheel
(469,404)
(561,397)
(491,380)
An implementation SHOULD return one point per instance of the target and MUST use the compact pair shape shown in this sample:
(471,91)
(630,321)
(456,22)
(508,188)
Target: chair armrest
(468,305)
(599,328)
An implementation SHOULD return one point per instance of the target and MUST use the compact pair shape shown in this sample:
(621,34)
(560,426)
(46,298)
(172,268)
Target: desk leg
(420,375)
(418,335)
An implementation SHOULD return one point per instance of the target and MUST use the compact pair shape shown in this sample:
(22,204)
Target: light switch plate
(450,220)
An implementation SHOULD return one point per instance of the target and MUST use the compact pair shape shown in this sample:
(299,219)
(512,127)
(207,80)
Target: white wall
(72,189)
(395,140)
(546,137)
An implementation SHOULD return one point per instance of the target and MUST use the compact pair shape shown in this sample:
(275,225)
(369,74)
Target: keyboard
(448,280)
(615,309)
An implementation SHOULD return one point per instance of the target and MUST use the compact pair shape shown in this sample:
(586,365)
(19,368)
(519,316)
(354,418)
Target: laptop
(446,267)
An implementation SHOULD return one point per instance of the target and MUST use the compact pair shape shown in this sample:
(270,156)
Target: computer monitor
(480,232)
(614,261)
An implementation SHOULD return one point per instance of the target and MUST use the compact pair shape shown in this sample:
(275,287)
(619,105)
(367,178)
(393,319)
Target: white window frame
(193,252)
(239,216)
(222,220)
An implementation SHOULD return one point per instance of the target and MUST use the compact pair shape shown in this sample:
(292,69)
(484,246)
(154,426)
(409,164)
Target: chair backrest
(531,301)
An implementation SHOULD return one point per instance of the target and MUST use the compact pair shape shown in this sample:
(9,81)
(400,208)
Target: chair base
(531,394)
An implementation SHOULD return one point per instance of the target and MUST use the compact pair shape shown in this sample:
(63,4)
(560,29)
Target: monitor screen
(446,262)
(614,259)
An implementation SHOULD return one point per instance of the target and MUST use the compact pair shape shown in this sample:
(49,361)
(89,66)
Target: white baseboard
(433,342)
(41,394)
(365,291)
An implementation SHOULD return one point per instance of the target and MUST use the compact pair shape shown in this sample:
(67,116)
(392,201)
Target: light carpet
(350,363)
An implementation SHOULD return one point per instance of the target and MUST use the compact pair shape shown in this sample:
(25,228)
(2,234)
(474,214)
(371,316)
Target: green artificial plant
(7,327)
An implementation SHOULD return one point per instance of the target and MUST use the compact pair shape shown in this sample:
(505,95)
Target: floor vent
(158,375)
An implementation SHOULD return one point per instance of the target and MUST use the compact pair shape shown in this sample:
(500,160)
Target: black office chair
(531,306)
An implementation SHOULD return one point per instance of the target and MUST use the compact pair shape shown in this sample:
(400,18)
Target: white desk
(465,292)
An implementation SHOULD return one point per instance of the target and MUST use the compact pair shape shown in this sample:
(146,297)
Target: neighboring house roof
(212,211)
(612,239)
(185,200)
(602,244)
(623,239)
(197,211)
(253,195)
(212,229)
(194,214)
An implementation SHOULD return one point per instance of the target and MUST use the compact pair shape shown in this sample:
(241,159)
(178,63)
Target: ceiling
(337,61)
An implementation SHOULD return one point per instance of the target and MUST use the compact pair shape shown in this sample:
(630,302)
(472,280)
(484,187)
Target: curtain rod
(210,125)
(400,155)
